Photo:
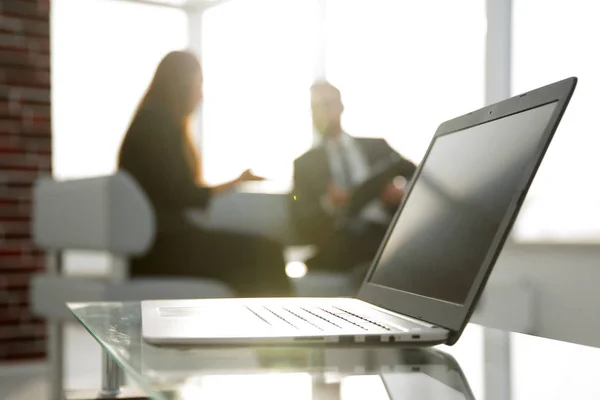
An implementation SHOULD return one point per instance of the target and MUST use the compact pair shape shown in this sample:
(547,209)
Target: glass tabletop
(478,366)
(269,372)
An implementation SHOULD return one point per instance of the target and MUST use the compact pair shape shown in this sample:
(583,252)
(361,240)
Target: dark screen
(456,205)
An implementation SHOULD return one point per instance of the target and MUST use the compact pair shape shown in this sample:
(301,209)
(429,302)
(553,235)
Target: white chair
(109,214)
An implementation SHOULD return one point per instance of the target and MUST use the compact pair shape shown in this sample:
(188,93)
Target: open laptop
(433,263)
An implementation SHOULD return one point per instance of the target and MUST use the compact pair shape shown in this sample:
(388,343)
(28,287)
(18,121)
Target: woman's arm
(154,153)
(246,176)
(224,187)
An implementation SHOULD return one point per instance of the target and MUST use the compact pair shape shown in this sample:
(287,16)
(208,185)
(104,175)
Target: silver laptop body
(436,257)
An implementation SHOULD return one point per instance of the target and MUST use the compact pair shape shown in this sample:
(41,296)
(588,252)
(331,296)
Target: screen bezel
(450,315)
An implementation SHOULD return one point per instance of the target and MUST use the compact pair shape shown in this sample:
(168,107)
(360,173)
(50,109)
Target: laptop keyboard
(321,318)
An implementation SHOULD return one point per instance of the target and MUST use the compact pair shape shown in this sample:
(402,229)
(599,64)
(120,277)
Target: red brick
(18,247)
(11,110)
(36,127)
(18,194)
(6,111)
(20,331)
(24,26)
(30,258)
(16,58)
(15,227)
(14,218)
(9,127)
(25,144)
(13,301)
(18,210)
(5,201)
(40,61)
(17,177)
(21,255)
(25,162)
(19,358)
(37,111)
(17,313)
(15,236)
(31,9)
(31,44)
(25,59)
(27,269)
(25,149)
(14,280)
(24,349)
(11,25)
(8,94)
(25,78)
(10,141)
(36,115)
(26,262)
(25,94)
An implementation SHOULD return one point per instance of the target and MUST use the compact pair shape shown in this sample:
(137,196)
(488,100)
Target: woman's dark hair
(174,89)
(173,84)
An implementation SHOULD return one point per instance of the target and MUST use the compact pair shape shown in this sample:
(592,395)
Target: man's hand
(392,195)
(336,195)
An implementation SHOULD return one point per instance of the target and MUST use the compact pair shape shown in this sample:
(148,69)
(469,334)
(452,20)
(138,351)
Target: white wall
(565,280)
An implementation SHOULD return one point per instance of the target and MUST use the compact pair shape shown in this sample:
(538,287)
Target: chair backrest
(109,213)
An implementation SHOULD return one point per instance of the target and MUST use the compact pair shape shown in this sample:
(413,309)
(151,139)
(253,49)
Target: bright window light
(104,53)
(258,59)
(406,66)
(563,204)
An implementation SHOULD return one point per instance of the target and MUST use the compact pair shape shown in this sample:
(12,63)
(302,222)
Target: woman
(159,153)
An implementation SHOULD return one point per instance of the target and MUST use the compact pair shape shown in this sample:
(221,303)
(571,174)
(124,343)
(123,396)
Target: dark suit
(155,153)
(312,175)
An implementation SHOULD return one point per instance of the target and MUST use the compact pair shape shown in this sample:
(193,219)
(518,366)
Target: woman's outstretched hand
(249,176)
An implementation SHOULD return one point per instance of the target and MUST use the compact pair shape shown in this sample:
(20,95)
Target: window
(553,40)
(104,53)
(404,67)
(258,59)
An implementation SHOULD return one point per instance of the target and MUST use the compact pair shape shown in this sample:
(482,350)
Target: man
(324,180)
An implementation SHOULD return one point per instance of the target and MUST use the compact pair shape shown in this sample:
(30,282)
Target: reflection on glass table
(269,372)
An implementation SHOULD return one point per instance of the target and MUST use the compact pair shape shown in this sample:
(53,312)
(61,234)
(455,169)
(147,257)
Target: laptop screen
(454,210)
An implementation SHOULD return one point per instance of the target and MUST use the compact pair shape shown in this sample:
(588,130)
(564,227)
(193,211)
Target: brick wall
(25,152)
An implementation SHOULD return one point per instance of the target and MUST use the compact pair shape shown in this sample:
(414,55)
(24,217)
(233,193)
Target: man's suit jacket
(312,175)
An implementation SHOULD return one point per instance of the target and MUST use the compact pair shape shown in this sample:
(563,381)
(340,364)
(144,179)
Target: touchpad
(215,316)
(185,311)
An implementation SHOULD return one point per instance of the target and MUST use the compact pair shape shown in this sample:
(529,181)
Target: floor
(26,381)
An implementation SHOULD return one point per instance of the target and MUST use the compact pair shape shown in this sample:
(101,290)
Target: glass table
(478,366)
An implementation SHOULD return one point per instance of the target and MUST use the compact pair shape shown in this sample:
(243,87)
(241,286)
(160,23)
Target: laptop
(434,261)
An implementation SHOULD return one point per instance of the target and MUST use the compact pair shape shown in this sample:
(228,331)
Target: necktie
(345,167)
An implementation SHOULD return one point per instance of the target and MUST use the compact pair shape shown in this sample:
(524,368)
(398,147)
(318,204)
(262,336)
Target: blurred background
(403,67)
(72,73)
